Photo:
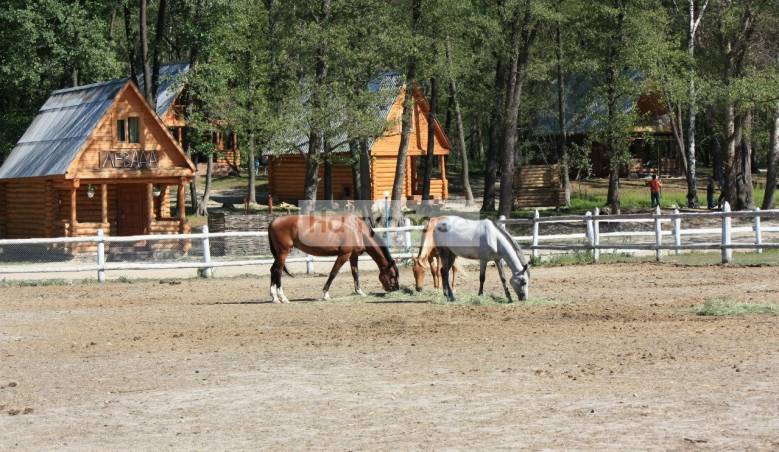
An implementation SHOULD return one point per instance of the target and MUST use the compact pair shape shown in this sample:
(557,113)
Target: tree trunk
(354,152)
(466,178)
(147,91)
(772,162)
(252,189)
(495,139)
(744,179)
(729,162)
(131,43)
(365,172)
(328,174)
(202,206)
(430,141)
(408,106)
(316,136)
(159,33)
(562,142)
(694,22)
(522,36)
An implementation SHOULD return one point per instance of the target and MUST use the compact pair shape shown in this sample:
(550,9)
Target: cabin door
(132,209)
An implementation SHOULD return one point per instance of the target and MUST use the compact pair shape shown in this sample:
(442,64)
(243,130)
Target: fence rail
(590,239)
(592,234)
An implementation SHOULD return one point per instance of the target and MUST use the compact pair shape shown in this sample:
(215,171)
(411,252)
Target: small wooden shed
(538,186)
(287,171)
(95,157)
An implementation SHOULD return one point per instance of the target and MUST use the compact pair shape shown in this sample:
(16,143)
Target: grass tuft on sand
(435,296)
(724,306)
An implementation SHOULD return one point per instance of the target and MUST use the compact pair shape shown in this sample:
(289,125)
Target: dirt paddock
(606,357)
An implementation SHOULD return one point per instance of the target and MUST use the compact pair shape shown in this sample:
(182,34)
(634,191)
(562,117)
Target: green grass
(767,257)
(409,295)
(34,283)
(724,306)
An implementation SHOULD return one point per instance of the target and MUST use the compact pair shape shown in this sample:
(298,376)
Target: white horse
(485,241)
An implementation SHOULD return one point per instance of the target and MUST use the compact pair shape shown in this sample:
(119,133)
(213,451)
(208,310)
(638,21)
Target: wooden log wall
(3,211)
(538,186)
(287,175)
(27,201)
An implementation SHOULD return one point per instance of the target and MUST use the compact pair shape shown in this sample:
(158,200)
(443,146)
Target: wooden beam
(149,206)
(181,202)
(104,203)
(73,216)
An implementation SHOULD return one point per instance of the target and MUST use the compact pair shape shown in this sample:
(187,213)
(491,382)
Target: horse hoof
(276,301)
(360,293)
(325,296)
(285,300)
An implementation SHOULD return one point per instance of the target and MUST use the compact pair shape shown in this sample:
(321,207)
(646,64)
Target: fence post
(727,252)
(758,233)
(596,234)
(206,271)
(590,234)
(309,264)
(677,223)
(100,256)
(658,234)
(407,235)
(533,250)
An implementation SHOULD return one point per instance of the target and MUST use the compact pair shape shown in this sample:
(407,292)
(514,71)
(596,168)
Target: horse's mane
(380,244)
(514,244)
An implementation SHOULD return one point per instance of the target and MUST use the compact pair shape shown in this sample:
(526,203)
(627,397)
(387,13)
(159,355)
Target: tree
(405,130)
(772,162)
(522,27)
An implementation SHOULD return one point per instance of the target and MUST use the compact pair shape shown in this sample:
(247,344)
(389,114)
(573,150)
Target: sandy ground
(607,357)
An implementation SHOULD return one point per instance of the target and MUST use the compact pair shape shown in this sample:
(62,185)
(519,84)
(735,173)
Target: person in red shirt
(654,188)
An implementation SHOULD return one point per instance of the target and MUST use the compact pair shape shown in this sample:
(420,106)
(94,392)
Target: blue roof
(170,85)
(60,130)
(583,110)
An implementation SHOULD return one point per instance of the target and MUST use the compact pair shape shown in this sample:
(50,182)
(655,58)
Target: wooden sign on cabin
(538,186)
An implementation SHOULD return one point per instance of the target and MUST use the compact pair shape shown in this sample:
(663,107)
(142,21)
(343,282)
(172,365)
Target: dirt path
(611,357)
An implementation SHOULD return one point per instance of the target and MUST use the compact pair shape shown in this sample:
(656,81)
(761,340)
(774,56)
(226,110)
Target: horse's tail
(273,251)
(427,244)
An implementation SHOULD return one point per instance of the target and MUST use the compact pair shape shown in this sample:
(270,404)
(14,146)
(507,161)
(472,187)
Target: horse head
(389,276)
(419,273)
(520,282)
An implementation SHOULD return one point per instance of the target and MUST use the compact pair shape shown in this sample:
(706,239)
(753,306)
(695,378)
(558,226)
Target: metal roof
(170,85)
(584,111)
(60,129)
(386,86)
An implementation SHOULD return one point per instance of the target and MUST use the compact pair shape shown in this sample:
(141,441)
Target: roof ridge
(91,85)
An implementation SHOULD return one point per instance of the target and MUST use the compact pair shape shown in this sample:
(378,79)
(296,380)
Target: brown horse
(428,257)
(344,236)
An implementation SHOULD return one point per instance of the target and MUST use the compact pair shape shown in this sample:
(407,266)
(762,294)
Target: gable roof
(387,87)
(170,85)
(60,130)
(584,111)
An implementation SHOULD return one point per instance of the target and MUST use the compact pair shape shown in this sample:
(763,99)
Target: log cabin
(287,170)
(95,157)
(651,145)
(171,107)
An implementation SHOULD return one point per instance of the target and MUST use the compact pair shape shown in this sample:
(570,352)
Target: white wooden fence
(204,267)
(588,240)
(592,234)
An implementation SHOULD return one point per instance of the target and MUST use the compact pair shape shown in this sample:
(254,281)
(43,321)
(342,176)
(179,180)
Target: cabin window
(121,132)
(133,130)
